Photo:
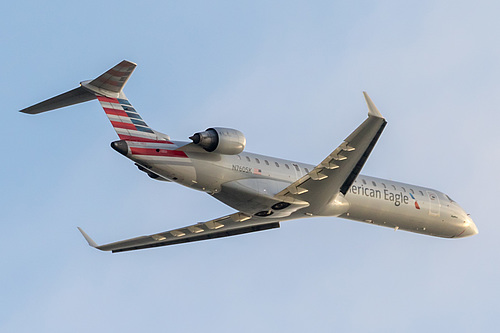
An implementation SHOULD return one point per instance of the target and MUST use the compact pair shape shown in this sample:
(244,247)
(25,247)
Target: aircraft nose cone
(470,230)
(120,146)
(473,229)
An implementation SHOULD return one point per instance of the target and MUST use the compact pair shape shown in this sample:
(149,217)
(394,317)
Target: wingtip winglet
(88,239)
(372,109)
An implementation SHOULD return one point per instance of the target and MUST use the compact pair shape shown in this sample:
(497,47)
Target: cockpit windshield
(451,200)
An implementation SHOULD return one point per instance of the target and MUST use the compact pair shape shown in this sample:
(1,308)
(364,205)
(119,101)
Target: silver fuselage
(264,190)
(371,200)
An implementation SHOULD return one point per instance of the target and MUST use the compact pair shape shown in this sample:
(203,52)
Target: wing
(230,225)
(336,173)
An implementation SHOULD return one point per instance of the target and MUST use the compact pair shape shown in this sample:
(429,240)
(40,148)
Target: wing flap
(230,225)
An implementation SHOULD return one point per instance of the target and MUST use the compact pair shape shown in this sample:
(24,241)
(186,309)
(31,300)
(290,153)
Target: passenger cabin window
(296,167)
(267,162)
(277,165)
(257,160)
(411,190)
(374,184)
(404,190)
(394,187)
(384,185)
(364,181)
(307,170)
(421,193)
(248,159)
(239,157)
(287,166)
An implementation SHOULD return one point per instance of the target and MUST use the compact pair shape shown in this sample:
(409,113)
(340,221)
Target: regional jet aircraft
(264,190)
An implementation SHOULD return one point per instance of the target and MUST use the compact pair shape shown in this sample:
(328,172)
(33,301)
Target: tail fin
(127,123)
(108,89)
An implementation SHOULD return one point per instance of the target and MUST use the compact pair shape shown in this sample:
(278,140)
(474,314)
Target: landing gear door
(434,205)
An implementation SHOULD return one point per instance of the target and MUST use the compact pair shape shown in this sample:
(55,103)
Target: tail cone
(120,146)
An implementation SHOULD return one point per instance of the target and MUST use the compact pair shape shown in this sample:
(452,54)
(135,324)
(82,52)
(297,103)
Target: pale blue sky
(288,74)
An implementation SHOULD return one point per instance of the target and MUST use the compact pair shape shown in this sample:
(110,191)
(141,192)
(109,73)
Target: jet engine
(220,140)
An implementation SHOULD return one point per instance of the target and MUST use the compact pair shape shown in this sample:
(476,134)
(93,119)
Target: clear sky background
(288,74)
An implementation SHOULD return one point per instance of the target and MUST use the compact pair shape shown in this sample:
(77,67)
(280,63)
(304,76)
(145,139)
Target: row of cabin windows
(307,171)
(275,163)
(393,187)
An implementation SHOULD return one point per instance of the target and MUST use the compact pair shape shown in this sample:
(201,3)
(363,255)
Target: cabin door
(434,205)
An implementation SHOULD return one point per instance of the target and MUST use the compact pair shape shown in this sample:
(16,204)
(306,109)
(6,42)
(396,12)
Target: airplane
(264,190)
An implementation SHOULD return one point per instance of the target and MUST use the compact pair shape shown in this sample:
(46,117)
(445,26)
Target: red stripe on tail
(116,112)
(107,99)
(123,125)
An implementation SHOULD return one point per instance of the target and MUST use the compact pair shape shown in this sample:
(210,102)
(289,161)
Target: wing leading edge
(336,173)
(230,225)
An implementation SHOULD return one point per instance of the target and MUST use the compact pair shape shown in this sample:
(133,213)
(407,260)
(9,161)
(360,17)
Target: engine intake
(220,140)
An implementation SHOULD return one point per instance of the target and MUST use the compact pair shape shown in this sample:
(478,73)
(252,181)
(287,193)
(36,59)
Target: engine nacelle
(220,140)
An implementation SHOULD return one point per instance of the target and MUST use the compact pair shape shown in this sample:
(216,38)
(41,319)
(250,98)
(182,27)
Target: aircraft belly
(183,174)
(250,195)
(243,201)
(181,171)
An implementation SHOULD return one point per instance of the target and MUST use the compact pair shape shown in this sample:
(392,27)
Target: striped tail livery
(108,89)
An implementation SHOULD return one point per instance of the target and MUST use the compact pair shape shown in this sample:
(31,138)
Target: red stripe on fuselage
(123,125)
(141,139)
(157,152)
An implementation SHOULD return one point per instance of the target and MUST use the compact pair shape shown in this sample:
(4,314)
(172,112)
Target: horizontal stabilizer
(75,96)
(109,84)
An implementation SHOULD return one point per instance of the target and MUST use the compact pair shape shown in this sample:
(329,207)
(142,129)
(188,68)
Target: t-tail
(108,89)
